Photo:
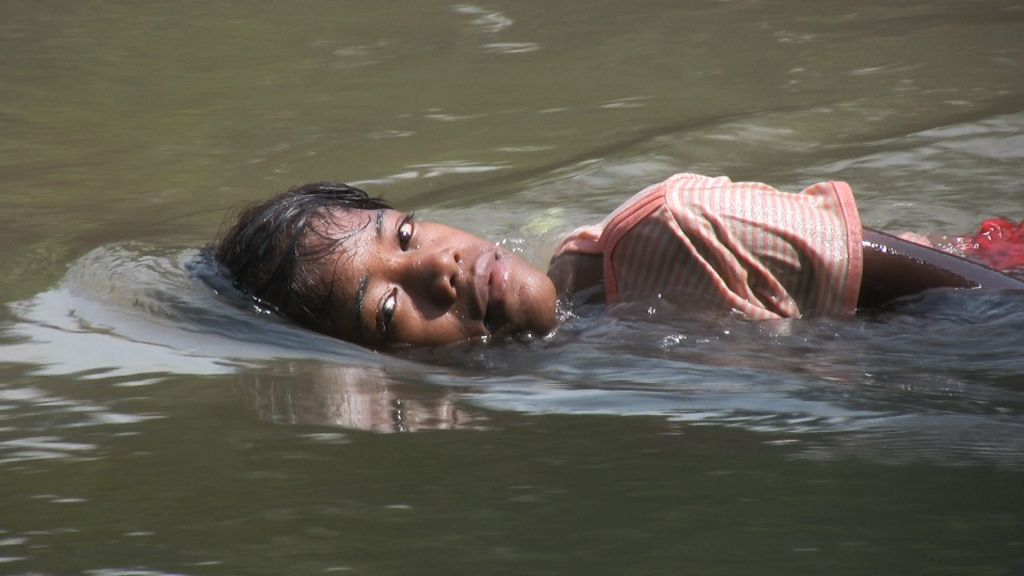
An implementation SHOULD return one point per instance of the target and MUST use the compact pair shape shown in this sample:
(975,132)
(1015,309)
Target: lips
(490,276)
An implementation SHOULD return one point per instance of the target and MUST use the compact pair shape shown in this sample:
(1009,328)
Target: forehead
(350,227)
(340,236)
(351,239)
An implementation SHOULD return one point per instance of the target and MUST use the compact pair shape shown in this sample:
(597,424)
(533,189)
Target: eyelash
(403,239)
(406,229)
(387,311)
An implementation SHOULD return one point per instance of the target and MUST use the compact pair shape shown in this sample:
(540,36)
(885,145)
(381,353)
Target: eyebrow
(364,284)
(360,301)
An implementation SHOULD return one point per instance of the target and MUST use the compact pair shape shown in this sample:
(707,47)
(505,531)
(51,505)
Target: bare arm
(894,267)
(574,274)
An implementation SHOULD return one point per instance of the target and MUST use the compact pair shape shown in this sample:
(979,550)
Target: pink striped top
(745,246)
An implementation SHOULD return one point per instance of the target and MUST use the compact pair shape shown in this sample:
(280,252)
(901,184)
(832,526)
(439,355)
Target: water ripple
(489,21)
(511,47)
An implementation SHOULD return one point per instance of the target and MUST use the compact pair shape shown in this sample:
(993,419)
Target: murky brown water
(148,428)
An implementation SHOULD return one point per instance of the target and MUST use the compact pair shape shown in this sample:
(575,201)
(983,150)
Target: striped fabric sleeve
(712,243)
(745,246)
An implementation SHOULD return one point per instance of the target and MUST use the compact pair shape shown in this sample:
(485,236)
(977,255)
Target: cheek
(447,328)
(535,297)
(534,282)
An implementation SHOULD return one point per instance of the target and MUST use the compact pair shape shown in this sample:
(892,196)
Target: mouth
(491,276)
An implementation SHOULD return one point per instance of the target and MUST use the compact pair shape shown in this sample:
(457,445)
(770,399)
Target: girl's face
(399,280)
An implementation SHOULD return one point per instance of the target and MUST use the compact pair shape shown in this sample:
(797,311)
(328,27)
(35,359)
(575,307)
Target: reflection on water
(355,398)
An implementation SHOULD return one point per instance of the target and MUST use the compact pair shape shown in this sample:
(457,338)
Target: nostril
(457,257)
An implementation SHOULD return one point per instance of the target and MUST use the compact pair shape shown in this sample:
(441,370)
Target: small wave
(488,21)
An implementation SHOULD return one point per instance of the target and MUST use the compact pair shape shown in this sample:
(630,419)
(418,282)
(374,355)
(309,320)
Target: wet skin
(400,280)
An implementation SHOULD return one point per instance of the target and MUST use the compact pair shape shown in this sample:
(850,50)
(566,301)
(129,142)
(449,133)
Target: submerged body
(333,259)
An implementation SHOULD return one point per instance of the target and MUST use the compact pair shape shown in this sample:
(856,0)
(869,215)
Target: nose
(435,276)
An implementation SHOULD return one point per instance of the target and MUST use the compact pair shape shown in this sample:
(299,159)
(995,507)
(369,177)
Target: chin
(533,309)
(542,318)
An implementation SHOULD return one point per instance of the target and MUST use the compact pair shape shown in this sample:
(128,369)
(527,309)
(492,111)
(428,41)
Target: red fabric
(999,244)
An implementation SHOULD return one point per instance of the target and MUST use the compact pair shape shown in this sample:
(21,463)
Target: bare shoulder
(576,274)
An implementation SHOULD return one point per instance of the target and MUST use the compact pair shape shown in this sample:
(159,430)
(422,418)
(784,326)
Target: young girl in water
(337,261)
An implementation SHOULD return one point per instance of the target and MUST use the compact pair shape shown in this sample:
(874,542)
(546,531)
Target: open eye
(405,231)
(387,311)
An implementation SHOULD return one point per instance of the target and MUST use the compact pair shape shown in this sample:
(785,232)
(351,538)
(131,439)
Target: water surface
(149,427)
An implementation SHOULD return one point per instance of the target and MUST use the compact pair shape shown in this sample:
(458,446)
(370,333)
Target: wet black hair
(267,249)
